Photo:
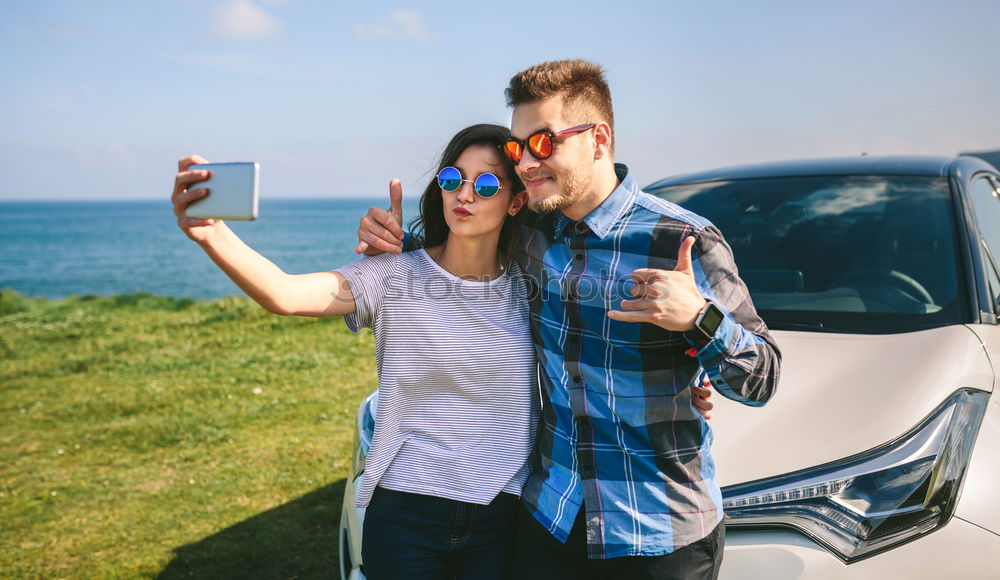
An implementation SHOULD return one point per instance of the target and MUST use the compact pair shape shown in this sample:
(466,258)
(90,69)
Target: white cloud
(401,25)
(244,19)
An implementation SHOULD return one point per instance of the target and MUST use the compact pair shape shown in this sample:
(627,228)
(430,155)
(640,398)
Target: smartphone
(232,191)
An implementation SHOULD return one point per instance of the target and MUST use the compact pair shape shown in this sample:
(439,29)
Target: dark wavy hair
(430,228)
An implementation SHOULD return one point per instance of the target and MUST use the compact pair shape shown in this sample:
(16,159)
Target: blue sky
(98,99)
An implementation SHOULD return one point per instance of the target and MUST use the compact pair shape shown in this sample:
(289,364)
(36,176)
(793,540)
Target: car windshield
(864,254)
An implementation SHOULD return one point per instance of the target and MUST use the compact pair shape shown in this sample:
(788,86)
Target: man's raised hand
(381,230)
(667,298)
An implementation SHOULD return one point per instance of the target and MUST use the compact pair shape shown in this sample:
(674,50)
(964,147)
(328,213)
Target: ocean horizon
(54,249)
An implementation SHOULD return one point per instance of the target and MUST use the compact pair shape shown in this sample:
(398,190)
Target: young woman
(457,395)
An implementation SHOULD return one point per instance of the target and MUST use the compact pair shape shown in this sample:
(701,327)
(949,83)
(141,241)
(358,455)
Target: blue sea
(55,249)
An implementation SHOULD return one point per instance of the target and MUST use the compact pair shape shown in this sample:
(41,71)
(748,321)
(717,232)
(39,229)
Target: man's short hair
(581,83)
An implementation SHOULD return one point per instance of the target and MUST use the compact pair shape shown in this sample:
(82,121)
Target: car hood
(841,394)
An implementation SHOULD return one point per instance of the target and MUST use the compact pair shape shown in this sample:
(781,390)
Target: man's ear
(602,135)
(517,202)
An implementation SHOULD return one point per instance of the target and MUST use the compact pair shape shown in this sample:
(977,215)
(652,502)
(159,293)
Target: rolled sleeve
(742,359)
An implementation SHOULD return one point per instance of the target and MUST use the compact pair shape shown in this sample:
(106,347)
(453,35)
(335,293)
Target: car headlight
(364,429)
(862,505)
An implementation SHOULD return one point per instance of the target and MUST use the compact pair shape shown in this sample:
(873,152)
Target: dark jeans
(418,536)
(539,555)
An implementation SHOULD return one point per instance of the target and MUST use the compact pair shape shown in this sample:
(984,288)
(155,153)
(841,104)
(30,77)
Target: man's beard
(551,203)
(573,184)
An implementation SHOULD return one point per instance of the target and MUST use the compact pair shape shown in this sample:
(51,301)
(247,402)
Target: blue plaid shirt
(619,435)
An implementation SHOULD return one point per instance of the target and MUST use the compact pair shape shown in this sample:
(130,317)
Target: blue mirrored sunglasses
(486,185)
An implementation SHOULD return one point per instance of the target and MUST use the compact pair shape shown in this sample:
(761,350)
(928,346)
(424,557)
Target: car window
(994,282)
(986,204)
(842,253)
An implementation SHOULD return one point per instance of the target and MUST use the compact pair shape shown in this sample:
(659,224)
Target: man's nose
(527,161)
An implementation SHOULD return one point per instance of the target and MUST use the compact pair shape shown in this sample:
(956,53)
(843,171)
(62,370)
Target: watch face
(710,320)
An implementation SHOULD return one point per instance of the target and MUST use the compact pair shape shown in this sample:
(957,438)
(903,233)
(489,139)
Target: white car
(878,456)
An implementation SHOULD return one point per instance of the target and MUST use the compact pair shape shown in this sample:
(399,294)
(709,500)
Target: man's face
(559,181)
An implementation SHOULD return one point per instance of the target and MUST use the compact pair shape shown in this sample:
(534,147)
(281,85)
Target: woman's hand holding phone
(197,229)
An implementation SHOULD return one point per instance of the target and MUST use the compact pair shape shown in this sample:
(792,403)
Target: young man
(632,299)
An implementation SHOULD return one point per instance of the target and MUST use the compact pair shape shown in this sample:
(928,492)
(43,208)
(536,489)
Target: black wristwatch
(708,321)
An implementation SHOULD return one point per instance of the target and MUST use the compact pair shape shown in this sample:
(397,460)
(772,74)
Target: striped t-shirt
(456,378)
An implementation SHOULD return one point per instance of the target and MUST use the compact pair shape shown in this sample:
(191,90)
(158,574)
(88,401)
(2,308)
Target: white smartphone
(232,191)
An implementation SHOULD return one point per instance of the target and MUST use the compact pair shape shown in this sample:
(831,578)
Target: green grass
(144,436)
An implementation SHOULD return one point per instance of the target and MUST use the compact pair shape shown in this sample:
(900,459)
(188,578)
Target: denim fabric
(424,537)
(540,556)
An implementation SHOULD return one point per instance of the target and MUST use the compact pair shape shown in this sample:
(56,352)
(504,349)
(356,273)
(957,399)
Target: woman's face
(468,214)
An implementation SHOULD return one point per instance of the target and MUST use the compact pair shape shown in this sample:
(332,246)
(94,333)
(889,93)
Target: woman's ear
(517,202)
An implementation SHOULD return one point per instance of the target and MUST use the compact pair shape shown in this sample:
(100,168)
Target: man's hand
(668,299)
(701,398)
(381,231)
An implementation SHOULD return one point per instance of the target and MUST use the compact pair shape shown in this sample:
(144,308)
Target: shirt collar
(603,217)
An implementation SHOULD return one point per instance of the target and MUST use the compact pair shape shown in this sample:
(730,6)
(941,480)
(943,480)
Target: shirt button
(584,424)
(578,256)
(587,471)
(581,227)
(577,379)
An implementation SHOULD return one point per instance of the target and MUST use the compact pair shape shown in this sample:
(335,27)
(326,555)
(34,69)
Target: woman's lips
(461,212)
